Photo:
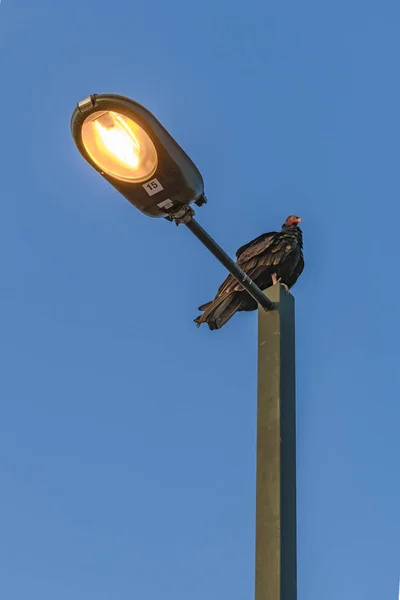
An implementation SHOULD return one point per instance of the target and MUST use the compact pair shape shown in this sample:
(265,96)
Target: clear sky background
(127,436)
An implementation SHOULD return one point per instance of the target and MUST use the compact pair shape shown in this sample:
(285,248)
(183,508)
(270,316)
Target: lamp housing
(129,147)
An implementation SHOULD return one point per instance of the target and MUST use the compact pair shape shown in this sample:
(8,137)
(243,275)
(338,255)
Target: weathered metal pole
(276,539)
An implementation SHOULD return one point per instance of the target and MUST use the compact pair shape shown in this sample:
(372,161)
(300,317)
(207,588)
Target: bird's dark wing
(227,286)
(259,244)
(267,250)
(297,271)
(249,260)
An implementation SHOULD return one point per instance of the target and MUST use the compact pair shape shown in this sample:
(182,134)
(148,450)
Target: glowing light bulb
(119,146)
(119,140)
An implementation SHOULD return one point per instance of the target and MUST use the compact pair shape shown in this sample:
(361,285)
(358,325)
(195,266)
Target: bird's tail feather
(206,305)
(219,311)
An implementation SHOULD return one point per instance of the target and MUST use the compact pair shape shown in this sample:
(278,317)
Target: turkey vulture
(271,257)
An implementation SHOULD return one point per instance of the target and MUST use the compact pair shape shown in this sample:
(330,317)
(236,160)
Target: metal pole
(229,264)
(276,539)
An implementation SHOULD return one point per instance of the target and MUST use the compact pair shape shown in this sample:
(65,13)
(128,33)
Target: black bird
(270,258)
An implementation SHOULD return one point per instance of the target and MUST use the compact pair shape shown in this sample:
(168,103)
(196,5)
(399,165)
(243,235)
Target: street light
(126,144)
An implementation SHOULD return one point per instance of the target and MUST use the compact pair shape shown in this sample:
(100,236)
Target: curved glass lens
(119,146)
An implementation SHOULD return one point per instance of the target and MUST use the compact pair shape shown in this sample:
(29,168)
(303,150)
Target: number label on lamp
(153,187)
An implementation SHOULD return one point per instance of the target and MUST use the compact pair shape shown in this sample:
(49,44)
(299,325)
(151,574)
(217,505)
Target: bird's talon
(274,279)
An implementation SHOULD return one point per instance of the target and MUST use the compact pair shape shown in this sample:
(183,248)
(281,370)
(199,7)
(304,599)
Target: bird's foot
(274,279)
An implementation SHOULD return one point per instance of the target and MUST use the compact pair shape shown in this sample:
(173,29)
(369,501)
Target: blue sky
(127,436)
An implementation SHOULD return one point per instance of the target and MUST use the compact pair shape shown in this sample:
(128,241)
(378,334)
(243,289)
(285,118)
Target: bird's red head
(292,221)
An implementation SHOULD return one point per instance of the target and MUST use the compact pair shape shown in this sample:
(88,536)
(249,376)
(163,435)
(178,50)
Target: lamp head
(126,144)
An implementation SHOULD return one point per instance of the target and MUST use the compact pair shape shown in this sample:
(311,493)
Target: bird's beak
(298,220)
